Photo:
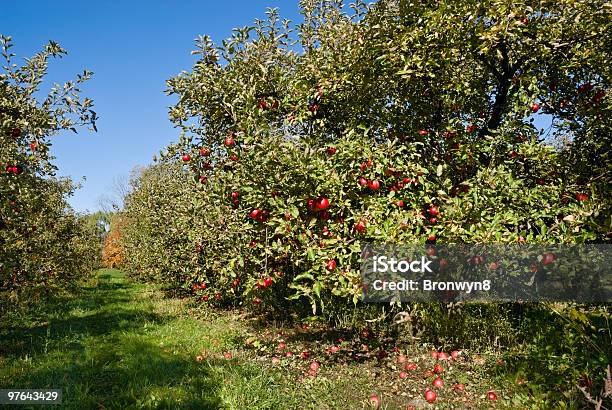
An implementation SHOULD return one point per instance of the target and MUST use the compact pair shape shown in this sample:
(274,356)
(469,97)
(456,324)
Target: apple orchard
(396,122)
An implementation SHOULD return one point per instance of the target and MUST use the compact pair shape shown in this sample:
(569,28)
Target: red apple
(267,282)
(585,87)
(455,354)
(433,210)
(400,203)
(322,203)
(374,401)
(548,258)
(401,358)
(438,383)
(373,185)
(492,396)
(331,150)
(443,356)
(410,367)
(255,213)
(234,157)
(205,151)
(186,157)
(423,132)
(433,220)
(580,197)
(403,375)
(438,368)
(599,95)
(235,195)
(363,181)
(228,355)
(360,226)
(535,107)
(281,346)
(434,354)
(314,366)
(331,264)
(305,355)
(430,396)
(229,141)
(459,387)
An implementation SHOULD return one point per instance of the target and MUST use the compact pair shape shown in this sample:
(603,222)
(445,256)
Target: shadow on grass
(98,349)
(70,331)
(137,374)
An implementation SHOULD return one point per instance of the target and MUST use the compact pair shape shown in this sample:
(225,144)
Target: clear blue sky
(132,47)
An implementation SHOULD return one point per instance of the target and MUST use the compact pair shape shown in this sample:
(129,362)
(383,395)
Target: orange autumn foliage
(112,252)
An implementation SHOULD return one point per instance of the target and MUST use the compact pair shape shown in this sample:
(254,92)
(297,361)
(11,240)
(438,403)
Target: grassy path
(121,345)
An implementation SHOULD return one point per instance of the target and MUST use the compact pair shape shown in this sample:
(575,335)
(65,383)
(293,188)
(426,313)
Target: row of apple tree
(45,248)
(395,122)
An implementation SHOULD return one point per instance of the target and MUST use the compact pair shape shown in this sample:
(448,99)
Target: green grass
(122,345)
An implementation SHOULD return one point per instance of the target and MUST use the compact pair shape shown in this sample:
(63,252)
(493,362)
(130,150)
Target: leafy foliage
(44,246)
(301,143)
(431,104)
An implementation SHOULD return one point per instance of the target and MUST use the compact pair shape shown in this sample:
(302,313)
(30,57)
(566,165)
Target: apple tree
(45,246)
(383,114)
